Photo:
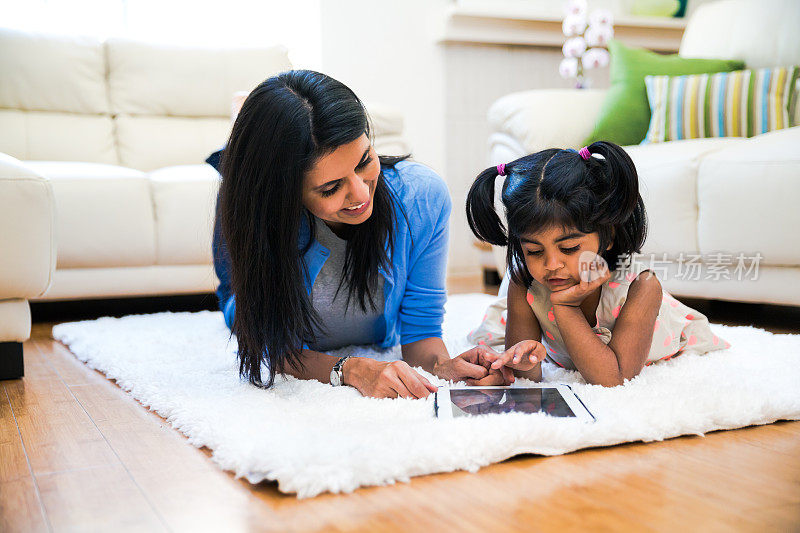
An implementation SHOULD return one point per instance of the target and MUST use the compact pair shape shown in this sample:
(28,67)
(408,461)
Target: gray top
(342,327)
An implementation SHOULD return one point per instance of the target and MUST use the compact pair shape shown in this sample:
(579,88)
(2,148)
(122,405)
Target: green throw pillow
(625,116)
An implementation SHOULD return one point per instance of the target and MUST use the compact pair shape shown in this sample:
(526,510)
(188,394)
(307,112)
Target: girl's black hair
(558,187)
(285,125)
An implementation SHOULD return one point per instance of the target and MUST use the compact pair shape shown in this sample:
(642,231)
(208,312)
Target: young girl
(574,296)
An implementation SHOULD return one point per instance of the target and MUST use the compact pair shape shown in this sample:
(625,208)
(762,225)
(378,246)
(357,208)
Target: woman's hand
(379,379)
(523,356)
(472,366)
(593,273)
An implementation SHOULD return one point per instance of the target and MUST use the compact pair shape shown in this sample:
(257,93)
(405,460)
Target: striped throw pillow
(742,103)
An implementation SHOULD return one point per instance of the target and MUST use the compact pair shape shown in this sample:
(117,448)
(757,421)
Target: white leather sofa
(704,196)
(27,255)
(102,144)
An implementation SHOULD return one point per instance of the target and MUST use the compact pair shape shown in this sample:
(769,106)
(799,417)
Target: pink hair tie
(585,153)
(501,169)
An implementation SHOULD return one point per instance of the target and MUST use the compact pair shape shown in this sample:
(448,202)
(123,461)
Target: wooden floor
(79,454)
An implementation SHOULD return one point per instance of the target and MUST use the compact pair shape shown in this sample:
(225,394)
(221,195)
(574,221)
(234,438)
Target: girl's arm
(521,324)
(623,357)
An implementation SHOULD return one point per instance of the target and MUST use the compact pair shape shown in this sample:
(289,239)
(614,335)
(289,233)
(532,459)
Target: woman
(321,243)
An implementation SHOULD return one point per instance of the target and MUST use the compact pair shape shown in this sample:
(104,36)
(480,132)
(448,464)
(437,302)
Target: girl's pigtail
(622,204)
(481,215)
(621,181)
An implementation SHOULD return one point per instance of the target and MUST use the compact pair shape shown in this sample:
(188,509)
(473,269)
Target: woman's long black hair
(285,125)
(558,187)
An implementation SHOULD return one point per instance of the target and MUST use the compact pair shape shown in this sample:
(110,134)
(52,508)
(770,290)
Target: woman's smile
(357,209)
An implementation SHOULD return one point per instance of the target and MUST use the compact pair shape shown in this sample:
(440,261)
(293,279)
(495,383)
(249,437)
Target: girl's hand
(472,366)
(523,356)
(379,379)
(593,273)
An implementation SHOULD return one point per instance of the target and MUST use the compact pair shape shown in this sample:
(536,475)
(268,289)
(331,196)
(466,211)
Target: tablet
(554,399)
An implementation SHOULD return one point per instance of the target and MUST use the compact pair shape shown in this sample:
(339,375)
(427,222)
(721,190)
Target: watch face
(335,378)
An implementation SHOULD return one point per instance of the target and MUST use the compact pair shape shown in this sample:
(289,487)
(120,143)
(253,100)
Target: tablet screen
(478,401)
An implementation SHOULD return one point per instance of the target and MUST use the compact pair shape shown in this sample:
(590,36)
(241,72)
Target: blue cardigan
(414,288)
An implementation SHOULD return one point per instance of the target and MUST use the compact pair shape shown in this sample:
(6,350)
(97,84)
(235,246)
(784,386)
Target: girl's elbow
(616,380)
(607,381)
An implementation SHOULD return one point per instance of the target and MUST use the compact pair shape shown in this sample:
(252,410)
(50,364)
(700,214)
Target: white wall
(294,24)
(386,52)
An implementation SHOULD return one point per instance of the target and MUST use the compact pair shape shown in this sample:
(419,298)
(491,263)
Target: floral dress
(678,328)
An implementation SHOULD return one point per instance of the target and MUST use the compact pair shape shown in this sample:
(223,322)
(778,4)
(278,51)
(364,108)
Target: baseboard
(11,362)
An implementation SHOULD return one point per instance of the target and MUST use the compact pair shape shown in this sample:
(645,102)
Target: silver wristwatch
(337,376)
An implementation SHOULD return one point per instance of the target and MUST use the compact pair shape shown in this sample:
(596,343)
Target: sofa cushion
(625,114)
(52,73)
(54,98)
(50,136)
(150,143)
(104,214)
(762,33)
(544,118)
(184,198)
(151,79)
(742,103)
(668,185)
(747,196)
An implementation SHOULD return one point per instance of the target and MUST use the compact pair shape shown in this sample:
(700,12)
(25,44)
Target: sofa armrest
(387,129)
(27,231)
(529,121)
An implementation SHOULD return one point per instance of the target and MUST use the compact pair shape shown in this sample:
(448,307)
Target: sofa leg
(11,365)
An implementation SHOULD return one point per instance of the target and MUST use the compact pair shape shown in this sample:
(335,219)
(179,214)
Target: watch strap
(338,369)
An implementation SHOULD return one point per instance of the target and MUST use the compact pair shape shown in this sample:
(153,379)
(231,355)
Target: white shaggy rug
(313,438)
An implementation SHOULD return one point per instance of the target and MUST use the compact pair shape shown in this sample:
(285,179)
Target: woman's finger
(385,392)
(466,369)
(491,380)
(428,385)
(400,388)
(508,375)
(412,382)
(472,355)
(479,355)
(486,355)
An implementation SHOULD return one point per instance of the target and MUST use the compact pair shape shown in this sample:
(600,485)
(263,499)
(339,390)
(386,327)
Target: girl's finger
(541,352)
(504,358)
(599,281)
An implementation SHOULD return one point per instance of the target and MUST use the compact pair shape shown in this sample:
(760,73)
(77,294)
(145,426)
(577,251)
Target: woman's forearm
(316,365)
(426,353)
(597,363)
